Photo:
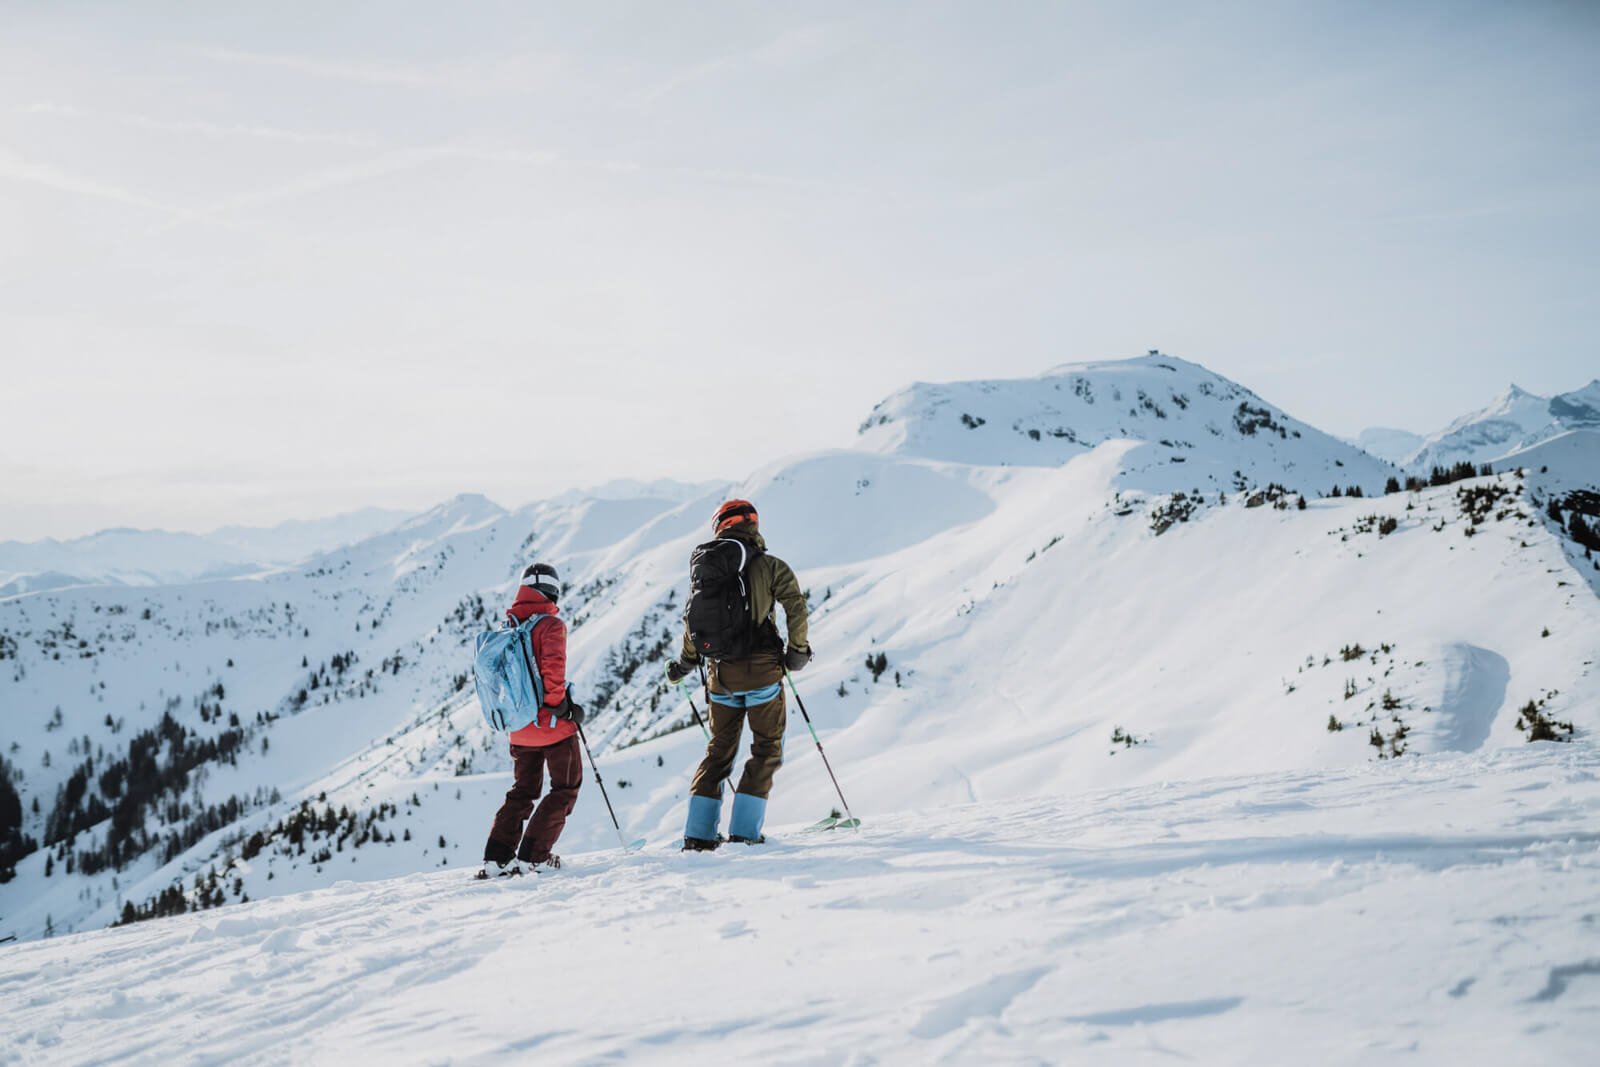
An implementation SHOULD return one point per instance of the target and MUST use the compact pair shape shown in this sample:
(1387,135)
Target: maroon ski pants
(564,761)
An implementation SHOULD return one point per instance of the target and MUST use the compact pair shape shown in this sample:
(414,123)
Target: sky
(263,262)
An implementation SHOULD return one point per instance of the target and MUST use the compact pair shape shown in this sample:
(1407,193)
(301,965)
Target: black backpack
(718,612)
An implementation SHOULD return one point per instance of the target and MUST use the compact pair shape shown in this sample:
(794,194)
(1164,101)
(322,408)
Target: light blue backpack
(510,688)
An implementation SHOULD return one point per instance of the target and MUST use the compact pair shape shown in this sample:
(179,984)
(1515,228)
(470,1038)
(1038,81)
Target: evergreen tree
(1582,533)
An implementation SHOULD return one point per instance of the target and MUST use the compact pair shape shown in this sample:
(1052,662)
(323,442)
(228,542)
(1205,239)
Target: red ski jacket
(550,651)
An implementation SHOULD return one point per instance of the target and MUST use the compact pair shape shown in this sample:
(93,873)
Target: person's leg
(564,760)
(527,782)
(705,794)
(767,723)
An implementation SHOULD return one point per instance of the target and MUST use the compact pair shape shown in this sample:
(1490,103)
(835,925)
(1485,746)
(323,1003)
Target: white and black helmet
(543,578)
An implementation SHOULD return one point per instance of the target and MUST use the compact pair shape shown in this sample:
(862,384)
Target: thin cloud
(401,161)
(335,177)
(207,129)
(786,49)
(15,168)
(512,155)
(522,72)
(341,70)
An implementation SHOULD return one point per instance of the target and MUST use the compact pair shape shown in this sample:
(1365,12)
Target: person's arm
(550,649)
(688,655)
(786,591)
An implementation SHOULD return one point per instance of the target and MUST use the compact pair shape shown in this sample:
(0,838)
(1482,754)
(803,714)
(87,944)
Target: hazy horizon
(270,264)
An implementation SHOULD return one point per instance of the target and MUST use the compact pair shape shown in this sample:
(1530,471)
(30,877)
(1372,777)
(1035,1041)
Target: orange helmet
(732,513)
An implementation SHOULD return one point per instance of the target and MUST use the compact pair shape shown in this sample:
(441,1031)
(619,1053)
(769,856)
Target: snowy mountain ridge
(1200,430)
(1513,421)
(159,557)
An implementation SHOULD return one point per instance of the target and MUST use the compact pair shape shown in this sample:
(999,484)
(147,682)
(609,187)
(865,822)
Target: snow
(1514,421)
(1202,430)
(1422,911)
(1101,789)
(1561,464)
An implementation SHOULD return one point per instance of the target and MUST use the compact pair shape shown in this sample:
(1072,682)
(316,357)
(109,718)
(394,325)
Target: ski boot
(499,870)
(702,844)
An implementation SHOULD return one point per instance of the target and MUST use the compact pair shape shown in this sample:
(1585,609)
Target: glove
(796,658)
(677,671)
(567,709)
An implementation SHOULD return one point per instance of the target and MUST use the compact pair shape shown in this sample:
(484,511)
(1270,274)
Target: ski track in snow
(1222,920)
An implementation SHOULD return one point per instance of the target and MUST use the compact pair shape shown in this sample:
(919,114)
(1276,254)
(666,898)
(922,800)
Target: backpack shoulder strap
(528,625)
(745,554)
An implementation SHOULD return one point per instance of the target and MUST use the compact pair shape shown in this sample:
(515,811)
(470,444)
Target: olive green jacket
(772,582)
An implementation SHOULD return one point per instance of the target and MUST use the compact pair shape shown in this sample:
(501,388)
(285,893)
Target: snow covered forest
(1177,726)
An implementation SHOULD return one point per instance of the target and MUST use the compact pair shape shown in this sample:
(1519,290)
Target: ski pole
(704,728)
(601,783)
(821,753)
(687,695)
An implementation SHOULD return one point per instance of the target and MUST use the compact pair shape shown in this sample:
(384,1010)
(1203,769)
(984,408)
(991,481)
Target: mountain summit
(1199,429)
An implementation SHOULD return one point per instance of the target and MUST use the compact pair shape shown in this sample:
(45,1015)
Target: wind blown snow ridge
(1430,911)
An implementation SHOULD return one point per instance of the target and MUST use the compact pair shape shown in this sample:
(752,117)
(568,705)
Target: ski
(834,822)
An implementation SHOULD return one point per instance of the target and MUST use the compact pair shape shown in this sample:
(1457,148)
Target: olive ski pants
(765,710)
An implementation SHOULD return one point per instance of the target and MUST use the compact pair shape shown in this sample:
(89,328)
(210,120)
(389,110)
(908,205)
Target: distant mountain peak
(638,489)
(1515,420)
(463,509)
(1201,431)
(1579,409)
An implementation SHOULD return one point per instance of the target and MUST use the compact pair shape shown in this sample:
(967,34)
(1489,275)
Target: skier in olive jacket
(747,687)
(550,742)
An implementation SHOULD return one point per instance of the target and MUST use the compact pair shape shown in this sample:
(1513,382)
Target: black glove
(677,671)
(796,658)
(567,709)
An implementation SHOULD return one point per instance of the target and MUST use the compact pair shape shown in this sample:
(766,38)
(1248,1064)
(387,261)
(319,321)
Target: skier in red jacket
(549,742)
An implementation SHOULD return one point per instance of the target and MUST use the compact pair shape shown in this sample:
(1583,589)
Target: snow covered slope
(1515,420)
(1433,911)
(1040,616)
(192,713)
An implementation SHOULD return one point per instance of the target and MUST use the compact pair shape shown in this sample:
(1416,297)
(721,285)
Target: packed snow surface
(1436,910)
